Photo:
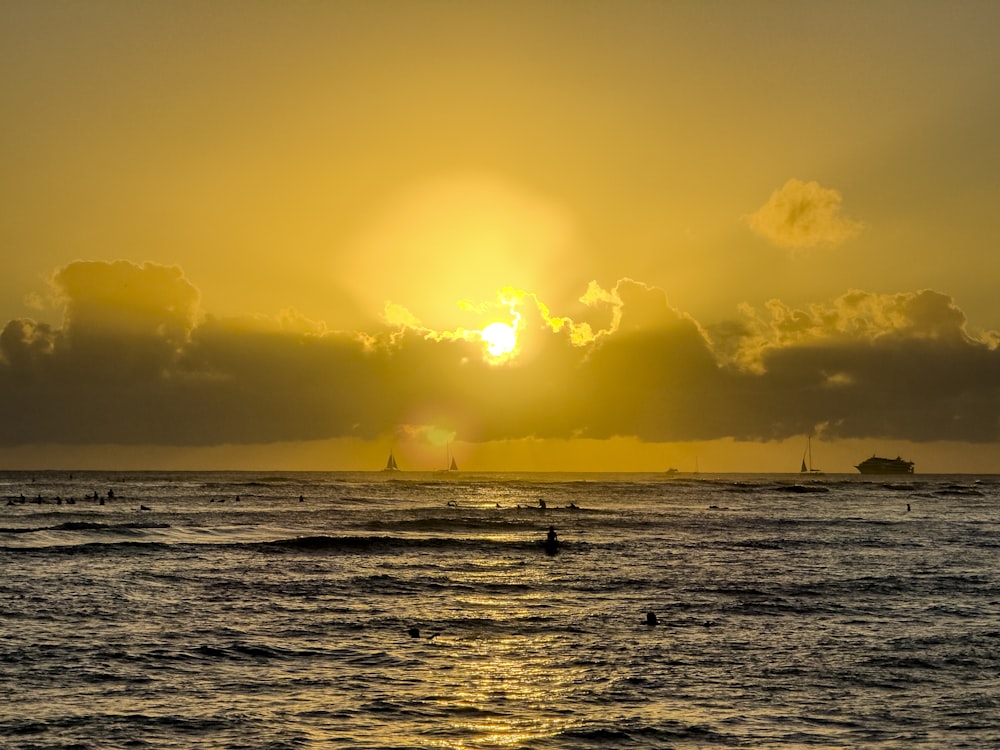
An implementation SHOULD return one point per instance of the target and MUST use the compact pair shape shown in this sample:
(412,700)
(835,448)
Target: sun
(500,339)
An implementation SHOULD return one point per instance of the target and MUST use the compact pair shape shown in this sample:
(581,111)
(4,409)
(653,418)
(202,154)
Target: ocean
(399,610)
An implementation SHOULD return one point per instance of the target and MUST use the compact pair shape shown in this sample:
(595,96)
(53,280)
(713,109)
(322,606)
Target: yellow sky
(243,229)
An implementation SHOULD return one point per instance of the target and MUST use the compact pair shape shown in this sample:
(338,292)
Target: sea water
(398,610)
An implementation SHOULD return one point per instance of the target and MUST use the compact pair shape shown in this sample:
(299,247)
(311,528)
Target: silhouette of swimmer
(551,541)
(907,507)
(541,503)
(414,632)
(651,618)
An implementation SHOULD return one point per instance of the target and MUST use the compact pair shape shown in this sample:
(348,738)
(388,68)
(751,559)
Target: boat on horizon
(452,467)
(391,464)
(807,468)
(879,465)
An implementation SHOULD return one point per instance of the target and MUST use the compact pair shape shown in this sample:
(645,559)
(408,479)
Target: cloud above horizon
(135,360)
(802,215)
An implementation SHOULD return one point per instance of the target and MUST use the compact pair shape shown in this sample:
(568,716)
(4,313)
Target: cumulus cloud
(803,215)
(855,318)
(135,361)
(119,317)
(872,365)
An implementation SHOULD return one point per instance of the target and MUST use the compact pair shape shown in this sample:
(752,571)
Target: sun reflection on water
(504,686)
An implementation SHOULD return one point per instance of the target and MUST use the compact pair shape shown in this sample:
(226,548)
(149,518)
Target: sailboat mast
(807,458)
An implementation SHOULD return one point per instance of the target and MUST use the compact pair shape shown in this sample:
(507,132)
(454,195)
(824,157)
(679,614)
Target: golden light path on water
(505,684)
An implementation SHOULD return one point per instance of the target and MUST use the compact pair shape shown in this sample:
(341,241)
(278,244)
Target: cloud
(136,361)
(857,318)
(870,365)
(120,317)
(803,215)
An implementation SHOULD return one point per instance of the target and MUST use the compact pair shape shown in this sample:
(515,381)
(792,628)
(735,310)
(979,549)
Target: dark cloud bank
(134,362)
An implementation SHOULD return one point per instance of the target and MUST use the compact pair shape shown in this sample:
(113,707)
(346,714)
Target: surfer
(551,541)
(651,618)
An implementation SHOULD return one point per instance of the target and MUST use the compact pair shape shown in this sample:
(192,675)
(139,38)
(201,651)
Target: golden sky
(268,234)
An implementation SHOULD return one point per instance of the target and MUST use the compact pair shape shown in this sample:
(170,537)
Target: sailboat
(452,465)
(807,468)
(391,464)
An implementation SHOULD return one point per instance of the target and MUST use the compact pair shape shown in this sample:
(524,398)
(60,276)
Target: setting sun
(500,339)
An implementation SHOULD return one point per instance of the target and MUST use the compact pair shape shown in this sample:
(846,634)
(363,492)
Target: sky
(270,235)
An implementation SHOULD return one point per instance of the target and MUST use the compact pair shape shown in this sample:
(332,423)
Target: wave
(120,724)
(639,734)
(800,488)
(85,526)
(348,544)
(957,491)
(325,543)
(85,548)
(757,488)
(467,523)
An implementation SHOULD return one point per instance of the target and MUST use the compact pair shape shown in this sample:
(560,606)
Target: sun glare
(500,339)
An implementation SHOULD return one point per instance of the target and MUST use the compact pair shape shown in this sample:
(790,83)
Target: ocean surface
(374,610)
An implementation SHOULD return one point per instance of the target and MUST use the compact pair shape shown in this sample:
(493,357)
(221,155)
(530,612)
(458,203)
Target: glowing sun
(500,339)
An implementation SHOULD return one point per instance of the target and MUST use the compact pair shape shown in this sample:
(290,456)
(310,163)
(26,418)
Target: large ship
(878,465)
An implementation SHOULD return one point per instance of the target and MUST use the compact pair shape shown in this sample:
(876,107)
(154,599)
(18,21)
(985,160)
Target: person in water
(551,540)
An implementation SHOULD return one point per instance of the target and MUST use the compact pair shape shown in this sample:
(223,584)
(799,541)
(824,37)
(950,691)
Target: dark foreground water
(792,613)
